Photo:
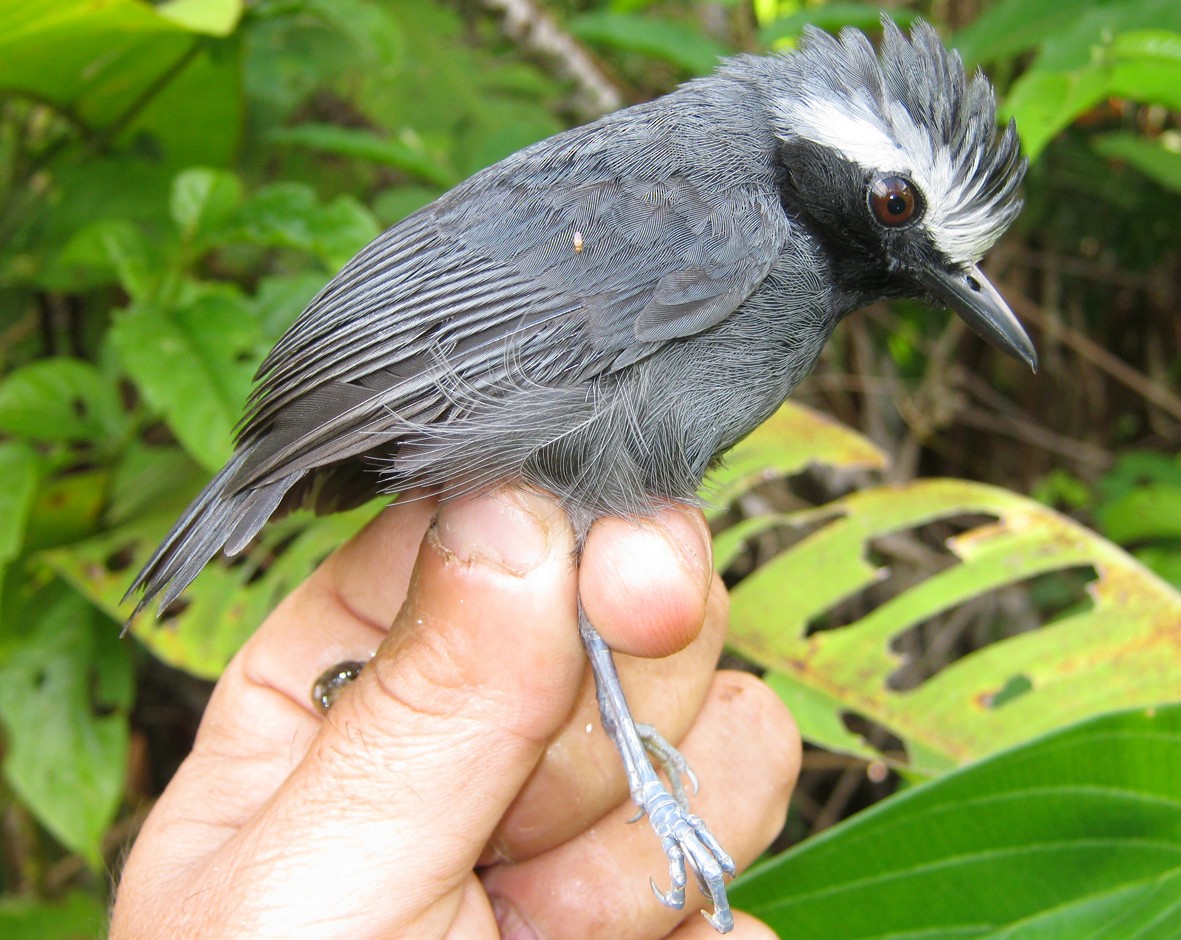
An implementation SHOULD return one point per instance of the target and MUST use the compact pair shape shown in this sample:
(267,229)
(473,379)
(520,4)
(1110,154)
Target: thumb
(418,760)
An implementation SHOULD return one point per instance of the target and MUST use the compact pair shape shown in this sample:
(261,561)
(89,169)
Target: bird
(601,315)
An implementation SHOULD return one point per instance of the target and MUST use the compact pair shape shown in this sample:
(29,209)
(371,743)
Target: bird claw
(665,899)
(686,839)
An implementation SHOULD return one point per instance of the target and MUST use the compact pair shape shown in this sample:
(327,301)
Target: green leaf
(61,400)
(93,58)
(409,156)
(68,506)
(1119,651)
(1128,51)
(343,227)
(229,599)
(833,17)
(193,364)
(150,480)
(65,690)
(75,916)
(1077,834)
(212,17)
(672,41)
(1044,103)
(19,473)
(288,215)
(203,199)
(1011,26)
(1152,511)
(792,439)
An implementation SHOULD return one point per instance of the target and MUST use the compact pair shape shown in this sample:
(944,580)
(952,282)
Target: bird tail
(219,519)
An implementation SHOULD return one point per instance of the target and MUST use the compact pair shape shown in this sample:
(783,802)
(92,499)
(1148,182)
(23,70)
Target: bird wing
(555,265)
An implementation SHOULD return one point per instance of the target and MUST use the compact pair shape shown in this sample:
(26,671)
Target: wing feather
(534,271)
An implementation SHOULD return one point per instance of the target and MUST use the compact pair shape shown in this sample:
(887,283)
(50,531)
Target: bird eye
(892,200)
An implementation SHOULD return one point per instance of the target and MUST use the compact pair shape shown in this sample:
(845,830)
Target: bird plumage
(604,313)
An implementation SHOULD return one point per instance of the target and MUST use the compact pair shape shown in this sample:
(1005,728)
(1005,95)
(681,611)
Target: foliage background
(177,179)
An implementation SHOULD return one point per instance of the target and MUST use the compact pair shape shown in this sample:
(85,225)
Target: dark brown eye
(892,200)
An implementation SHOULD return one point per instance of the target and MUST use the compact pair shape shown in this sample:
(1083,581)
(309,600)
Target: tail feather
(217,520)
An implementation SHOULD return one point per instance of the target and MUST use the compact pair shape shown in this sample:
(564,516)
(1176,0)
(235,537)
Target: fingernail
(512,925)
(507,528)
(685,530)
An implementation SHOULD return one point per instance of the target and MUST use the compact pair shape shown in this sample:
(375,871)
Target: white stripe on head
(851,129)
(910,111)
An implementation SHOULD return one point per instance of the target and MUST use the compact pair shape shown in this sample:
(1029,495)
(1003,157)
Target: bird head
(894,161)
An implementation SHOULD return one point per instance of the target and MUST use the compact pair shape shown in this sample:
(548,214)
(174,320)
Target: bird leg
(683,835)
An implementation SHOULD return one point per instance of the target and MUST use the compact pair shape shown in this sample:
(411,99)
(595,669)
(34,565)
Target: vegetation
(177,179)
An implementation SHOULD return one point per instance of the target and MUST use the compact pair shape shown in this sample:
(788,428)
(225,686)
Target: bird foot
(686,838)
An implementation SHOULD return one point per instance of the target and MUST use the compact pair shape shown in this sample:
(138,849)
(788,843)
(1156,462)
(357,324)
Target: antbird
(603,314)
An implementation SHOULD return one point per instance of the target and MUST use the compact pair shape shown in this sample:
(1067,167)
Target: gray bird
(603,314)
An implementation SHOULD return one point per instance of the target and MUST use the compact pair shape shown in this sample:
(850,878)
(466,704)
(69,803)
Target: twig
(1088,349)
(528,24)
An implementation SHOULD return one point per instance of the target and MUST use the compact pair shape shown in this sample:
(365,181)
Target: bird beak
(968,292)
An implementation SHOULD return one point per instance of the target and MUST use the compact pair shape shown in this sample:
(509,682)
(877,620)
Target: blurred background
(177,179)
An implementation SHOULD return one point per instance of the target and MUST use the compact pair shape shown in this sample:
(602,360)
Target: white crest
(910,112)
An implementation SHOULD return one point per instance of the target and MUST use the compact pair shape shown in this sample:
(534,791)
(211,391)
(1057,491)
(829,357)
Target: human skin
(461,787)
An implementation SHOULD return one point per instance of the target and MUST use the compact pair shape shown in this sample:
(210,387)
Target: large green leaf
(65,689)
(1077,834)
(1123,649)
(193,364)
(19,472)
(793,438)
(670,40)
(60,400)
(228,600)
(1159,160)
(103,62)
(1130,50)
(1011,26)
(75,916)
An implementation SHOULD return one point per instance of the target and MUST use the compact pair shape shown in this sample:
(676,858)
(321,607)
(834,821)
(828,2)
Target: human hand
(457,789)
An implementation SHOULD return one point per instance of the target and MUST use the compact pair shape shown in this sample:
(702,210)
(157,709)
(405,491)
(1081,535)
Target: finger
(667,693)
(746,750)
(259,721)
(419,758)
(643,584)
(746,927)
(342,611)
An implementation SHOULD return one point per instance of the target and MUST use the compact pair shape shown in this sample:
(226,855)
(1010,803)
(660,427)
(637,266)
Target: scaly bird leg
(683,835)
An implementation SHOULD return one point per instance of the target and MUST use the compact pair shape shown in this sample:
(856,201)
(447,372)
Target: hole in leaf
(119,560)
(935,644)
(801,491)
(905,558)
(1014,688)
(174,610)
(876,736)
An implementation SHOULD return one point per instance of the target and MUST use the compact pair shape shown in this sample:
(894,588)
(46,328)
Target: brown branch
(1088,349)
(527,23)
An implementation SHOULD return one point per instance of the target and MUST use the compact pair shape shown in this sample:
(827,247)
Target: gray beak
(969,294)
